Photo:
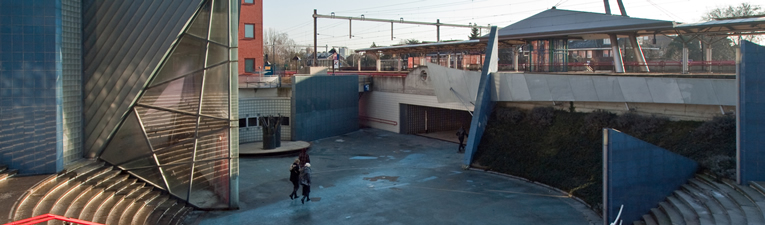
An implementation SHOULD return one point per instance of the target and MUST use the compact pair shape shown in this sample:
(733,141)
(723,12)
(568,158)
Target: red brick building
(251,37)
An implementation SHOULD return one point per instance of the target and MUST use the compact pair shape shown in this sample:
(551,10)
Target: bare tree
(279,47)
(740,11)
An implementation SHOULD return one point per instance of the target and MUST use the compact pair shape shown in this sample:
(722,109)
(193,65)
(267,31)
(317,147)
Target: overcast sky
(294,16)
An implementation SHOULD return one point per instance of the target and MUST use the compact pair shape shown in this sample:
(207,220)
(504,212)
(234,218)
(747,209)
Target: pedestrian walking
(305,181)
(304,157)
(295,178)
(461,135)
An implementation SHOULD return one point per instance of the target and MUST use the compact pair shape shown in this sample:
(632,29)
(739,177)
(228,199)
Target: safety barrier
(49,217)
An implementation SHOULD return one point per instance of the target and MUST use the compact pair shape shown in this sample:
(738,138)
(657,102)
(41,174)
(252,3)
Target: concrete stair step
(181,215)
(113,198)
(142,216)
(735,212)
(748,206)
(660,217)
(136,205)
(719,214)
(159,211)
(76,187)
(66,188)
(648,219)
(674,215)
(118,210)
(171,213)
(688,214)
(758,185)
(701,211)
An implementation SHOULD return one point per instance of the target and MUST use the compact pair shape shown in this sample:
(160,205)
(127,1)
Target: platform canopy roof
(727,27)
(569,24)
(559,23)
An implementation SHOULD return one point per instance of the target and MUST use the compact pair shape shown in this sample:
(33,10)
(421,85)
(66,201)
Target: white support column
(359,63)
(685,58)
(398,64)
(378,65)
(709,60)
(618,63)
(515,58)
(449,60)
(639,53)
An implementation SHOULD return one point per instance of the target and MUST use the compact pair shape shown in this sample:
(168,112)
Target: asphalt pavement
(377,177)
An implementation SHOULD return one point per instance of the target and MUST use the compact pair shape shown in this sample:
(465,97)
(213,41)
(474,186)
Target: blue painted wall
(30,39)
(639,175)
(751,109)
(324,106)
(483,103)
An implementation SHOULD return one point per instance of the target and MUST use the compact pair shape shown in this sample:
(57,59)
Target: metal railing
(49,217)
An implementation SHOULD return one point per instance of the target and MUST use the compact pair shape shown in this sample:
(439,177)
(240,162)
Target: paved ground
(378,177)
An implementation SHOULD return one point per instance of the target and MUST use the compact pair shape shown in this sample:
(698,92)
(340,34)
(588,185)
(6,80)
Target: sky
(294,16)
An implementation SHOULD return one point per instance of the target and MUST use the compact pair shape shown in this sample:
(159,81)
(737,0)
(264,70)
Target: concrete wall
(256,107)
(245,93)
(751,108)
(40,85)
(418,82)
(324,106)
(638,175)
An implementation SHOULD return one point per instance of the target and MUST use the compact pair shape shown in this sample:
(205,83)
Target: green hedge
(564,149)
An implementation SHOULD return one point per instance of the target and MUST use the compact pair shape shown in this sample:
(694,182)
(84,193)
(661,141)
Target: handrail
(48,217)
(378,120)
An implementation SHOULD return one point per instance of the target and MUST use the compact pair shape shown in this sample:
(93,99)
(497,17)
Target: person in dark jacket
(295,178)
(461,134)
(304,157)
(305,180)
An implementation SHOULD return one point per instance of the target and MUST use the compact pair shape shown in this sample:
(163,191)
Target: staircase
(706,201)
(94,191)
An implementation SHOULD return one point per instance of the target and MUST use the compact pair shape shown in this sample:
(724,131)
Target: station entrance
(433,122)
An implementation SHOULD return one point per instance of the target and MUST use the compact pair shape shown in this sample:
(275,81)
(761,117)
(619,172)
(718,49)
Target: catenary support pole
(315,33)
(608,7)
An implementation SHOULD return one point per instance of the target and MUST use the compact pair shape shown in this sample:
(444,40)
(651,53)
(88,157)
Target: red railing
(48,217)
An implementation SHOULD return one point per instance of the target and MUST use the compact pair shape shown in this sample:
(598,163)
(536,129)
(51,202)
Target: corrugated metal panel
(124,42)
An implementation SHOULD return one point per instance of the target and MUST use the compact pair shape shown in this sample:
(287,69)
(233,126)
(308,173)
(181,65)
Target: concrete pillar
(709,59)
(449,60)
(516,55)
(639,54)
(685,58)
(398,64)
(378,65)
(618,63)
(359,63)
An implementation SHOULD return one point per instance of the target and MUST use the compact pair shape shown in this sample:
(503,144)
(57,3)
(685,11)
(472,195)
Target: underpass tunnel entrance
(433,122)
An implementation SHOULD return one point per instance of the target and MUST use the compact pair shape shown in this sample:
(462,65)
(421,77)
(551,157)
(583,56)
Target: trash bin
(269,141)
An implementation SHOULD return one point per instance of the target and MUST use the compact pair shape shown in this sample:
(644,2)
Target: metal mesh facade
(177,134)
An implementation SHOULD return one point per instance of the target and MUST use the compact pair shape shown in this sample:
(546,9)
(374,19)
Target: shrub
(509,115)
(542,116)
